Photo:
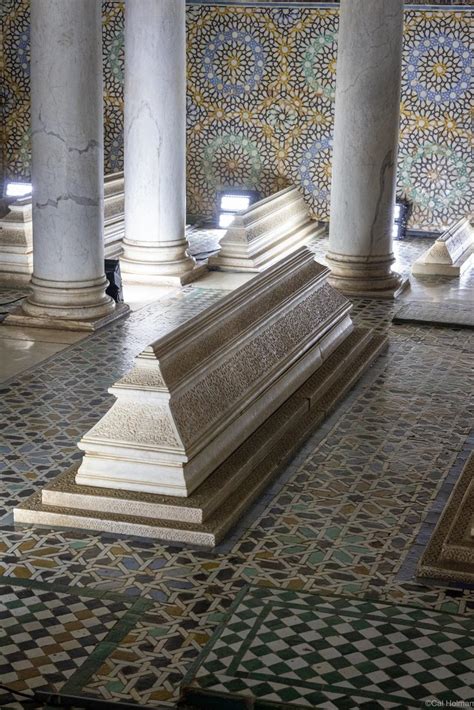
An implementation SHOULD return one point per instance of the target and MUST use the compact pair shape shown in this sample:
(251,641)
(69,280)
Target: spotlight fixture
(18,189)
(401,213)
(232,201)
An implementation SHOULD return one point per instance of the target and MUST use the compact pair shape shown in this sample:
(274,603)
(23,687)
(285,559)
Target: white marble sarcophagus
(211,411)
(451,254)
(265,232)
(199,392)
(16,242)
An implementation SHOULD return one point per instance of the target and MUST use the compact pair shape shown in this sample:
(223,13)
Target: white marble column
(365,147)
(67,162)
(155,143)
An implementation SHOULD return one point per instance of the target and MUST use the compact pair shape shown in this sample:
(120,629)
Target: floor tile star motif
(293,646)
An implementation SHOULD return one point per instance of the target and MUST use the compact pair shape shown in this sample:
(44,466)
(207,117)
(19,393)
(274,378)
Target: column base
(358,291)
(64,305)
(68,300)
(153,265)
(155,279)
(365,276)
(20,318)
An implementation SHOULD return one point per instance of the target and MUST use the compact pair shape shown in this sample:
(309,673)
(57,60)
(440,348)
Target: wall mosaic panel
(15,86)
(260,105)
(435,154)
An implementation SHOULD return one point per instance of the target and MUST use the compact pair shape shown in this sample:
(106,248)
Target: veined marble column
(365,147)
(155,143)
(67,163)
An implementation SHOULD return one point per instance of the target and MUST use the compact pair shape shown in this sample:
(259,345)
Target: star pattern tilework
(260,112)
(260,103)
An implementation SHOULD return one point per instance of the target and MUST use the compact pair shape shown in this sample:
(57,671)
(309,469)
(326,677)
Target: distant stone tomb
(265,232)
(210,412)
(16,232)
(16,243)
(451,254)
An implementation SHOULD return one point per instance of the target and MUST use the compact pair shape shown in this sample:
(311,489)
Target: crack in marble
(387,164)
(92,144)
(77,199)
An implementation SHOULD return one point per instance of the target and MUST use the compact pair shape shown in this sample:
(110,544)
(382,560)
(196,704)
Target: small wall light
(18,189)
(401,213)
(232,201)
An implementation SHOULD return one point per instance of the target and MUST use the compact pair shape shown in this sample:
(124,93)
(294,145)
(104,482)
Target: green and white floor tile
(313,651)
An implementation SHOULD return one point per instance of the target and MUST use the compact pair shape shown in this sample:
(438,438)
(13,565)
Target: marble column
(67,162)
(365,147)
(155,143)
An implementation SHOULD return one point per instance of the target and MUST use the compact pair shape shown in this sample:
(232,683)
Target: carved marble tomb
(211,411)
(265,232)
(451,254)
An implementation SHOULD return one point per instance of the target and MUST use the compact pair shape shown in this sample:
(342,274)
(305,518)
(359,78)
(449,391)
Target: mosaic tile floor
(48,637)
(343,518)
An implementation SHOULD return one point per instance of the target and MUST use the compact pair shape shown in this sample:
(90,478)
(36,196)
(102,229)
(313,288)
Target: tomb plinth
(16,243)
(266,232)
(210,412)
(198,393)
(451,254)
(449,554)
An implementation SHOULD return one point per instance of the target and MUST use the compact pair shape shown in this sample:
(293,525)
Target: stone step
(449,555)
(64,492)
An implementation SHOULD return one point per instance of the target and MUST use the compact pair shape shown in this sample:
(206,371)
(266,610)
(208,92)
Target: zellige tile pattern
(289,647)
(343,518)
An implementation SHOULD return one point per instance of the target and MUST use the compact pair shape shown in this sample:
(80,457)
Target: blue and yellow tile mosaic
(260,105)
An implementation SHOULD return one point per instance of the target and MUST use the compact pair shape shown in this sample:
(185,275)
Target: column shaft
(365,147)
(67,161)
(155,143)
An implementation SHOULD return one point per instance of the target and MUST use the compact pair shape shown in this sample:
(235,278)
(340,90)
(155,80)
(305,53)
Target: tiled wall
(15,85)
(261,106)
(261,103)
